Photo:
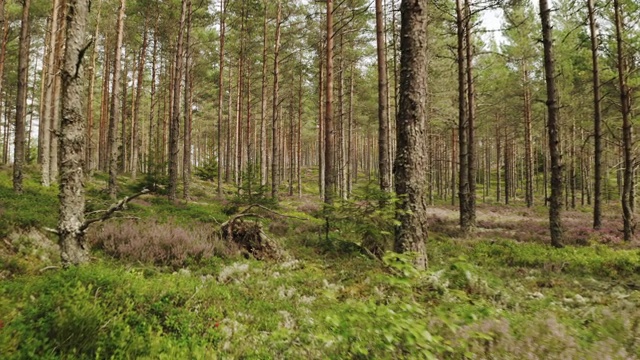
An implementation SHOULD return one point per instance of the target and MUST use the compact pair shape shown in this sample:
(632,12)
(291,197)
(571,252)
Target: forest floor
(163,284)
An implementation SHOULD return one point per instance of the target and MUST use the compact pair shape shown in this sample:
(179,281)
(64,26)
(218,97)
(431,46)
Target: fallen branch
(120,205)
(52,267)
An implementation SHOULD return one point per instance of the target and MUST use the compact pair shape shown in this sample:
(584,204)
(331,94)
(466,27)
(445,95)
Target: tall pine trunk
(597,119)
(223,12)
(410,171)
(329,141)
(383,103)
(627,140)
(21,98)
(275,166)
(174,126)
(114,112)
(553,128)
(72,140)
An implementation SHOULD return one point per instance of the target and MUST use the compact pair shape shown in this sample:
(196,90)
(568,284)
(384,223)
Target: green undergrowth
(36,207)
(482,298)
(474,302)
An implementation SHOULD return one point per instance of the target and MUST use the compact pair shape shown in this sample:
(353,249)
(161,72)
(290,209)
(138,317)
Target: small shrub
(159,244)
(208,171)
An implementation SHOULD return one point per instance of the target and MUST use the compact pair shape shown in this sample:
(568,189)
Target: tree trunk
(46,117)
(274,121)
(463,120)
(152,157)
(410,171)
(329,142)
(627,140)
(553,127)
(88,162)
(471,117)
(135,143)
(383,103)
(597,119)
(223,13)
(263,103)
(174,127)
(188,112)
(21,98)
(114,112)
(103,148)
(528,154)
(72,140)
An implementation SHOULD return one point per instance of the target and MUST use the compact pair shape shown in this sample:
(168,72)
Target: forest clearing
(355,179)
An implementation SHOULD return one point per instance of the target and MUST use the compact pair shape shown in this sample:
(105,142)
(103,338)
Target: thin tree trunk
(463,120)
(21,98)
(383,103)
(299,135)
(471,117)
(275,113)
(72,140)
(152,159)
(263,103)
(103,148)
(188,112)
(47,114)
(329,142)
(627,139)
(223,13)
(553,127)
(410,171)
(597,119)
(88,162)
(174,127)
(114,112)
(135,143)
(528,155)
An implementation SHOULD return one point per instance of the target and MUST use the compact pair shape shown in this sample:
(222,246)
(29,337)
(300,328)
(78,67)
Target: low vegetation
(163,284)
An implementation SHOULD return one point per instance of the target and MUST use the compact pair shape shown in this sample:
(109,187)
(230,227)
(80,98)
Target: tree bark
(384,163)
(174,127)
(471,117)
(135,143)
(263,103)
(274,121)
(410,171)
(114,113)
(223,13)
(597,119)
(329,141)
(188,112)
(627,140)
(72,140)
(46,117)
(553,128)
(21,98)
(88,162)
(463,120)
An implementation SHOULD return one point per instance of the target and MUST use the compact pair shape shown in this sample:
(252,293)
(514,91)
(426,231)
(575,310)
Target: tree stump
(251,238)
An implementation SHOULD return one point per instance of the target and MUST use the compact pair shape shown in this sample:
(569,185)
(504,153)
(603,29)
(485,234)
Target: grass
(497,295)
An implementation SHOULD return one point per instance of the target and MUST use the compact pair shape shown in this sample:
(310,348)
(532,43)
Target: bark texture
(21,98)
(114,113)
(72,138)
(597,120)
(383,103)
(553,127)
(174,126)
(410,170)
(627,140)
(329,141)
